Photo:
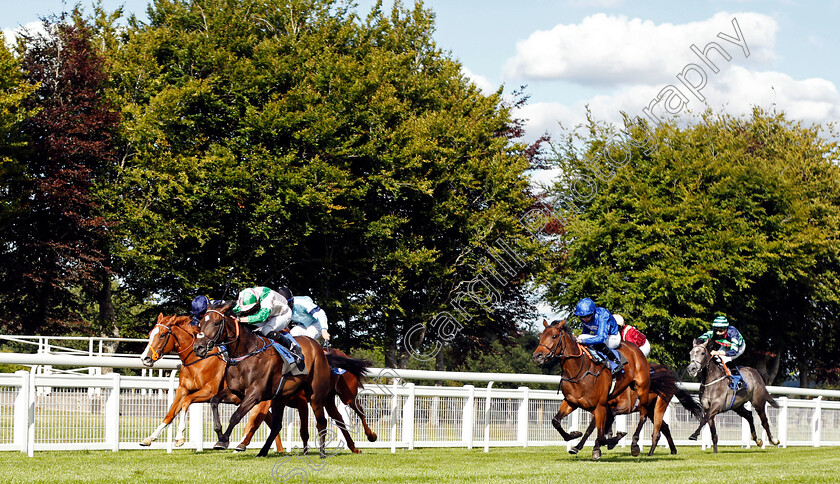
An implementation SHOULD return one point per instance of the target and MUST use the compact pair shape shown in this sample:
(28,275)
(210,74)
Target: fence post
(816,421)
(783,421)
(112,414)
(523,415)
(30,414)
(170,399)
(408,418)
(468,417)
(621,426)
(487,418)
(22,411)
(196,416)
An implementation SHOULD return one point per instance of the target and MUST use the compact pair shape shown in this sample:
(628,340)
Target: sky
(653,59)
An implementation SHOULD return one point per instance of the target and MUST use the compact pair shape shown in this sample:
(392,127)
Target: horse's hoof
(179,442)
(146,443)
(692,437)
(371,437)
(262,454)
(357,451)
(775,442)
(575,435)
(323,454)
(759,443)
(635,450)
(574,450)
(596,454)
(305,450)
(240,448)
(221,445)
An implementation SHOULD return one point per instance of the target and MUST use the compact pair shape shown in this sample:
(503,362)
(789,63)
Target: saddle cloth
(289,364)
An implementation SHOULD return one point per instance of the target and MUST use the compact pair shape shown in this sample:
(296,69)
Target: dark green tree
(737,216)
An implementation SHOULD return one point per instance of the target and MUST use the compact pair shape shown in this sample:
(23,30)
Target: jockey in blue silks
(310,319)
(600,331)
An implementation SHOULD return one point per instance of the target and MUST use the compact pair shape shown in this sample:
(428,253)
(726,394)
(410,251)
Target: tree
(725,215)
(291,142)
(58,238)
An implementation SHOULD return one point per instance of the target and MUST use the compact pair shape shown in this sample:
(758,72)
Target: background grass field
(543,464)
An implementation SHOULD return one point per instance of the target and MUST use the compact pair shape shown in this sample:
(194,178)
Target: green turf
(541,464)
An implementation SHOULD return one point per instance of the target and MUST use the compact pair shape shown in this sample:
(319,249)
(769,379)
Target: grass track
(542,464)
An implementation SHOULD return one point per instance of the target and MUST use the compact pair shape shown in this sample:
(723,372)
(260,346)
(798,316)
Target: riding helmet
(199,304)
(286,293)
(585,307)
(720,322)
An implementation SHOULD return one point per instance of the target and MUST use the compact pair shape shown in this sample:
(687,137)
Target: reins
(553,353)
(182,354)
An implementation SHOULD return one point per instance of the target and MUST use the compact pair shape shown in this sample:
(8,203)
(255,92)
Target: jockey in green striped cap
(271,314)
(729,341)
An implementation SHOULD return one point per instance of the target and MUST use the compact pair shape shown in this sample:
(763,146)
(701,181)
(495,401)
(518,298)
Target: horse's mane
(564,327)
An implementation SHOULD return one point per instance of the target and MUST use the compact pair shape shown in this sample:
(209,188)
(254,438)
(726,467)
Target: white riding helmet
(619,319)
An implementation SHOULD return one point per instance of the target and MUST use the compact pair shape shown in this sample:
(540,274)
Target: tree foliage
(733,216)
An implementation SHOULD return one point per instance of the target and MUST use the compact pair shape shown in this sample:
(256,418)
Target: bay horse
(345,386)
(199,379)
(257,375)
(716,396)
(588,386)
(663,388)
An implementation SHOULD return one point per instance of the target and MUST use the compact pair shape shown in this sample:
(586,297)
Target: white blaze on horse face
(200,335)
(152,335)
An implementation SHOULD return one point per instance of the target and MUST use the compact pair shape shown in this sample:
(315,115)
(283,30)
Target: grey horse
(716,396)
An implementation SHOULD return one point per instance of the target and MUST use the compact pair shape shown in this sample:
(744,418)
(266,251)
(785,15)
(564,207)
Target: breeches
(613,340)
(313,331)
(274,323)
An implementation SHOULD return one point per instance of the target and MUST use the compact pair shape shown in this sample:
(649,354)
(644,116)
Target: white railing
(113,412)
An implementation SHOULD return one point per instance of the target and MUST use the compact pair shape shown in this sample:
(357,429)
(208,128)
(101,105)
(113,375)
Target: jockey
(632,335)
(270,312)
(199,307)
(310,318)
(729,342)
(600,330)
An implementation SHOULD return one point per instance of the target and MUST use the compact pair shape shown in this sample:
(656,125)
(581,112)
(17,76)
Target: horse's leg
(333,412)
(703,421)
(577,448)
(303,413)
(251,398)
(204,394)
(635,448)
(565,410)
(349,396)
(600,415)
(747,415)
(255,419)
(666,431)
(714,432)
(612,441)
(277,406)
(225,395)
(762,415)
(659,410)
(180,393)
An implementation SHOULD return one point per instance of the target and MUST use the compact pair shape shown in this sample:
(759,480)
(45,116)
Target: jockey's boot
(287,342)
(612,357)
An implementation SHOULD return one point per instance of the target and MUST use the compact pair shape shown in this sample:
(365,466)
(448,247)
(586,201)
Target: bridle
(559,352)
(704,367)
(223,320)
(155,355)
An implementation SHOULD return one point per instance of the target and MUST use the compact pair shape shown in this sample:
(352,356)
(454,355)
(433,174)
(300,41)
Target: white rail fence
(41,412)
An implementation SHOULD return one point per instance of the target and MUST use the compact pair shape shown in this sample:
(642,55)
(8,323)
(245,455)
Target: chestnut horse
(663,388)
(200,379)
(257,375)
(345,385)
(716,396)
(587,385)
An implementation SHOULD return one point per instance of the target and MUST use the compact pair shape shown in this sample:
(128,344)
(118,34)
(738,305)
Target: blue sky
(616,55)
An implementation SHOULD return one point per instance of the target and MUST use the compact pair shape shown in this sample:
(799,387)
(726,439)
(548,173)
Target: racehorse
(200,379)
(588,386)
(663,388)
(345,385)
(716,396)
(257,375)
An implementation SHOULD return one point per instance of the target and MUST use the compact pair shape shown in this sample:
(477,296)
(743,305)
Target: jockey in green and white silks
(270,312)
(730,343)
(310,318)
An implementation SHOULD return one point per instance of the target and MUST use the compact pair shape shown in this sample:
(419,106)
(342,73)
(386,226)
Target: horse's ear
(160,317)
(545,323)
(697,341)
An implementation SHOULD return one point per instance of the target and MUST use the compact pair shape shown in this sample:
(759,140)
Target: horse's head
(699,357)
(551,341)
(161,341)
(212,328)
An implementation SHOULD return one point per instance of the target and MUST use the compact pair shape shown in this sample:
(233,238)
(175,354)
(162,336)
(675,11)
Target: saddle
(599,357)
(737,382)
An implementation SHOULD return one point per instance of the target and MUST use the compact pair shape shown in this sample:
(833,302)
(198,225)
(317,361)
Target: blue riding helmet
(200,304)
(585,307)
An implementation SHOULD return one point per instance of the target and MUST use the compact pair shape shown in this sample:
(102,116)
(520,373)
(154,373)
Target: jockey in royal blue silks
(600,331)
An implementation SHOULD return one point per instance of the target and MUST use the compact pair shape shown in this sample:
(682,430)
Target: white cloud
(734,91)
(482,82)
(616,50)
(11,34)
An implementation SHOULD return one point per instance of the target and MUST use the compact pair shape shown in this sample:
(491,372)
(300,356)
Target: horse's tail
(689,403)
(359,368)
(772,401)
(662,381)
